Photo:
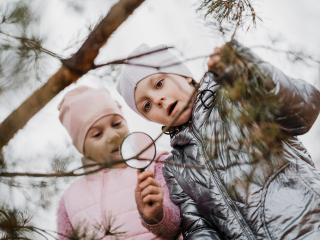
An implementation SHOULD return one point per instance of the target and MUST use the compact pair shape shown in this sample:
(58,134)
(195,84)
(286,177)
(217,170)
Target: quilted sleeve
(298,101)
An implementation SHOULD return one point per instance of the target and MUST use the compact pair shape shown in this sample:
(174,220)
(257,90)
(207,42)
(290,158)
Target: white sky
(156,22)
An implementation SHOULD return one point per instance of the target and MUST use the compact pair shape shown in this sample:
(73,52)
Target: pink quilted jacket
(109,195)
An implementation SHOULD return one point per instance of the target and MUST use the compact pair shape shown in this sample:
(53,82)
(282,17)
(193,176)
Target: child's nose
(159,101)
(112,136)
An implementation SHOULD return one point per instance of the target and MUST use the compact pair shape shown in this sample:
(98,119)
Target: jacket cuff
(146,222)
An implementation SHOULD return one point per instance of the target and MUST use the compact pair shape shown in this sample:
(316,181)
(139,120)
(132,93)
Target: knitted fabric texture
(164,62)
(168,228)
(81,108)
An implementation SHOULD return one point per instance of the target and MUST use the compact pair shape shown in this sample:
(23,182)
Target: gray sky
(156,22)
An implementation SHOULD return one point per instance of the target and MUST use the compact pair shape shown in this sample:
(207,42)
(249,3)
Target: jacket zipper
(224,193)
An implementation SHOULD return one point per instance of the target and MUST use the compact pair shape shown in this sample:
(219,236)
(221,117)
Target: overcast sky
(156,22)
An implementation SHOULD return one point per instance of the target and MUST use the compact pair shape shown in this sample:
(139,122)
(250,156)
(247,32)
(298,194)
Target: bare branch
(74,68)
(126,60)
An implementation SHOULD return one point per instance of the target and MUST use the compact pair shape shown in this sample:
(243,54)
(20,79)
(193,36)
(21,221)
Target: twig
(309,57)
(125,60)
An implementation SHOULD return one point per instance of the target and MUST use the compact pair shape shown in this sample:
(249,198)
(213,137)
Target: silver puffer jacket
(217,199)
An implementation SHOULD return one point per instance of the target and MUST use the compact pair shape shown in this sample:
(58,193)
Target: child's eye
(117,124)
(159,84)
(147,106)
(97,135)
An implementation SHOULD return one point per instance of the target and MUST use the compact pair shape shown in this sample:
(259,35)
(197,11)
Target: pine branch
(33,45)
(229,15)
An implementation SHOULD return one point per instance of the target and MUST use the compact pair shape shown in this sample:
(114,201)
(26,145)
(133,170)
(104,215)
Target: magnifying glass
(138,143)
(134,144)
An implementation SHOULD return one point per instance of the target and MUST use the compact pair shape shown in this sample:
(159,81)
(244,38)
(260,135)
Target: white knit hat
(132,74)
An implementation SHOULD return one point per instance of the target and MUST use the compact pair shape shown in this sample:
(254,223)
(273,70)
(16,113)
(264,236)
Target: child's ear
(189,80)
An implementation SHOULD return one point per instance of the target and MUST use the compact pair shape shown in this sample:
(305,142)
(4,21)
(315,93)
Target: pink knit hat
(81,108)
(132,74)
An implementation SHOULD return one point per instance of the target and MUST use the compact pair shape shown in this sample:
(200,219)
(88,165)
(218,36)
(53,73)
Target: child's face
(161,96)
(103,140)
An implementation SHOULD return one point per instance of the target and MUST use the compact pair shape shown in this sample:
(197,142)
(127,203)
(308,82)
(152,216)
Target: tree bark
(72,69)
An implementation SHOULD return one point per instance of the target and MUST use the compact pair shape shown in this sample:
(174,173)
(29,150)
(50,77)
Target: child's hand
(149,197)
(215,65)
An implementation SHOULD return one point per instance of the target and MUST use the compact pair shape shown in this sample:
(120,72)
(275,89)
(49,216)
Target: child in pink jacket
(111,203)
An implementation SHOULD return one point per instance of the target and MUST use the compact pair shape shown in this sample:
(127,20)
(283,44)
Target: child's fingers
(137,187)
(154,198)
(210,63)
(215,64)
(149,181)
(214,60)
(216,50)
(151,190)
(142,176)
(216,54)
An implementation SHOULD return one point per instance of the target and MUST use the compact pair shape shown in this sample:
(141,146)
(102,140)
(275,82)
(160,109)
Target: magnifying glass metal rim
(155,150)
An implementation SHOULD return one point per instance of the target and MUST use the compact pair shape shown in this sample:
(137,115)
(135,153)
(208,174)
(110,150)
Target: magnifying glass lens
(133,144)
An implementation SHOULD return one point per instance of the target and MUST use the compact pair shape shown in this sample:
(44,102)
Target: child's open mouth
(115,151)
(171,107)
